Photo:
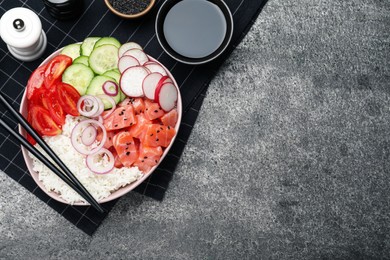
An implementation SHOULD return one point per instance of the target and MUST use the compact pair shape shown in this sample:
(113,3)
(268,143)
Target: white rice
(99,185)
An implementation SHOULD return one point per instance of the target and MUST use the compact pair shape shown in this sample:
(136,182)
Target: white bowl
(118,193)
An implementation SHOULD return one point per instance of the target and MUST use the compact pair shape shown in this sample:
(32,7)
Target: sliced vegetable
(88,44)
(126,62)
(166,95)
(36,80)
(77,133)
(95,88)
(110,88)
(55,68)
(79,76)
(127,46)
(68,97)
(150,84)
(155,67)
(107,40)
(101,162)
(138,54)
(81,60)
(72,50)
(103,58)
(131,81)
(42,121)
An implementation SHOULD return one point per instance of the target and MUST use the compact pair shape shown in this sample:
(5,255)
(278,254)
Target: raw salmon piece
(122,117)
(126,148)
(126,102)
(148,157)
(153,110)
(138,130)
(170,118)
(158,135)
(118,163)
(138,105)
(110,136)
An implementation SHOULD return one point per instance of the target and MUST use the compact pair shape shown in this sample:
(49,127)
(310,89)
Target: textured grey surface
(289,158)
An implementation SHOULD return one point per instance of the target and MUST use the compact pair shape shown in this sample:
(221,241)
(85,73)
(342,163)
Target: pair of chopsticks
(65,175)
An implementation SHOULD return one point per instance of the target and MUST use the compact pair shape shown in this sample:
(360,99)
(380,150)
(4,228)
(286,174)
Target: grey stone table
(289,158)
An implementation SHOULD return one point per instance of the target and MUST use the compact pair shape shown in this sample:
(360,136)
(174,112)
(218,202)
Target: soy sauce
(194,28)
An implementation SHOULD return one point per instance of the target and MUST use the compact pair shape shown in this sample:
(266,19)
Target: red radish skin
(166,96)
(126,62)
(128,46)
(150,83)
(132,79)
(138,54)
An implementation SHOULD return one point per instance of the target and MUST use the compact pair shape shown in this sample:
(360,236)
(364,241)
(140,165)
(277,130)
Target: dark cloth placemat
(96,20)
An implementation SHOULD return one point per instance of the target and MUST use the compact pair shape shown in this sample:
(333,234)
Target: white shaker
(21,30)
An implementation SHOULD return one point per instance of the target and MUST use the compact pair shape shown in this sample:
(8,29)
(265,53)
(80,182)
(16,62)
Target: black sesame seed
(127,153)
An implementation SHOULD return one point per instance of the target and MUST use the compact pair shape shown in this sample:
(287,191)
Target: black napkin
(96,20)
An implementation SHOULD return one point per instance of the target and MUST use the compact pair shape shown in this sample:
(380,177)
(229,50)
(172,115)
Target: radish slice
(110,88)
(138,54)
(166,96)
(101,162)
(126,62)
(132,79)
(150,84)
(127,46)
(155,67)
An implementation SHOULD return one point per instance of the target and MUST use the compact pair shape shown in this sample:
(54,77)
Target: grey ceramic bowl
(164,10)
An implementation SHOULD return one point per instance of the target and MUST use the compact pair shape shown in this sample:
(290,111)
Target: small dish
(194,31)
(130,15)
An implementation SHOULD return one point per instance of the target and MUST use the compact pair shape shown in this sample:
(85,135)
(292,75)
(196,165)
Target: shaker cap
(20,27)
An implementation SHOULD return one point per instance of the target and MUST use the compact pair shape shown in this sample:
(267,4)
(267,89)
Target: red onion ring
(110,88)
(76,137)
(88,135)
(89,102)
(97,163)
(112,101)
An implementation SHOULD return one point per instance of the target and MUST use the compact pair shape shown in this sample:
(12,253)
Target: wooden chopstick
(66,175)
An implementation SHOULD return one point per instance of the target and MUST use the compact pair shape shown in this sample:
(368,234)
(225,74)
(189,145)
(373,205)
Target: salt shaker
(21,30)
(64,9)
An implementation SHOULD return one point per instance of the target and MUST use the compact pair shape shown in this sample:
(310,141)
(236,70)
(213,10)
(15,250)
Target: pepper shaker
(21,30)
(64,9)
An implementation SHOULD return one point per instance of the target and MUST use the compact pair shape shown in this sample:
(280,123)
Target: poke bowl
(134,173)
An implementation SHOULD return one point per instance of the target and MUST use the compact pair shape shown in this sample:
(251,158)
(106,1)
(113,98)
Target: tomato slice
(55,68)
(38,97)
(68,97)
(35,81)
(42,121)
(55,110)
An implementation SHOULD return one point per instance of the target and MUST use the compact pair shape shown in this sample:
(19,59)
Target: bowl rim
(130,16)
(194,61)
(122,190)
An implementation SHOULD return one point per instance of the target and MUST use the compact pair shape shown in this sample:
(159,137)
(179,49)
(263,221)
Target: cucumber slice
(108,40)
(82,60)
(79,76)
(116,75)
(103,58)
(88,45)
(72,50)
(113,74)
(96,88)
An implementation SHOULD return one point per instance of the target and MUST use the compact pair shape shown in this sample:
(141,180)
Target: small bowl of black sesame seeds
(130,9)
